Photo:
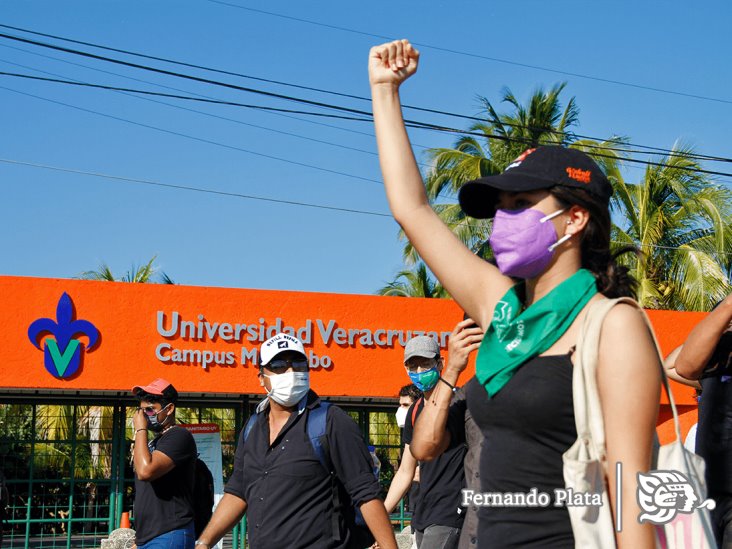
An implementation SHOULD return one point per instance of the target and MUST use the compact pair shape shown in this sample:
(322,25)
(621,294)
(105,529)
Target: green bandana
(515,336)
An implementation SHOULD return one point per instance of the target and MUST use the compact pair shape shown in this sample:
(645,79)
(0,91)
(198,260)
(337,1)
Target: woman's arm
(669,365)
(473,283)
(699,346)
(628,377)
(402,480)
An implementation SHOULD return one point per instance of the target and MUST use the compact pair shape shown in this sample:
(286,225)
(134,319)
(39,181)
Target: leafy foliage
(414,282)
(680,220)
(143,274)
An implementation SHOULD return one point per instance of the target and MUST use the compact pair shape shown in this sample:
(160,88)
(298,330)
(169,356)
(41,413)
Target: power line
(409,123)
(176,96)
(184,64)
(211,115)
(155,183)
(677,248)
(96,69)
(185,76)
(478,56)
(189,188)
(651,149)
(202,140)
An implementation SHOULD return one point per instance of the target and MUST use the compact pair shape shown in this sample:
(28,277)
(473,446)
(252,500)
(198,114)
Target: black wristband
(454,389)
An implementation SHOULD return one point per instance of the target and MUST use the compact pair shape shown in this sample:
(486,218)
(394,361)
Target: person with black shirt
(431,435)
(437,517)
(164,471)
(706,357)
(279,480)
(408,395)
(551,230)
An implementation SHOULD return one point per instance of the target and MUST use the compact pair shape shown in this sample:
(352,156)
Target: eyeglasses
(297,364)
(415,367)
(151,411)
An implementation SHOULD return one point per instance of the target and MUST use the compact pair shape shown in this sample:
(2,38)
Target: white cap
(279,344)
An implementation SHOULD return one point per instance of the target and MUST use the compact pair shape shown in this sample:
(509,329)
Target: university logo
(62,352)
(663,494)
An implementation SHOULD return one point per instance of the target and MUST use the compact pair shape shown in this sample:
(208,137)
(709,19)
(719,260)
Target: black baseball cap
(539,168)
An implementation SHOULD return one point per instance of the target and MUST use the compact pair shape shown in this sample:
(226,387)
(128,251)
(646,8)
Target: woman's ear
(577,219)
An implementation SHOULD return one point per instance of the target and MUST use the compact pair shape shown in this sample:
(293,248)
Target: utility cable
(194,138)
(478,56)
(96,69)
(175,96)
(155,183)
(408,123)
(650,150)
(185,76)
(203,113)
(190,188)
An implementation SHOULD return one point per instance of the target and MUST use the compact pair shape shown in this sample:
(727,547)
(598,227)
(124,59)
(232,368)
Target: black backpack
(203,496)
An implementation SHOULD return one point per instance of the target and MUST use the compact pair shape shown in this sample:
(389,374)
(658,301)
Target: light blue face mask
(425,380)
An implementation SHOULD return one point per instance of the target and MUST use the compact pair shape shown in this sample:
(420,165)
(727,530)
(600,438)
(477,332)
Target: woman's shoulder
(624,315)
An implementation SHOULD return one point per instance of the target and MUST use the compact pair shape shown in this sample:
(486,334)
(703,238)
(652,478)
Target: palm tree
(501,138)
(680,220)
(414,282)
(143,274)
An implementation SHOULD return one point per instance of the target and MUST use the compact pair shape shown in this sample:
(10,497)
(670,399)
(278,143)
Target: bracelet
(199,542)
(141,429)
(454,389)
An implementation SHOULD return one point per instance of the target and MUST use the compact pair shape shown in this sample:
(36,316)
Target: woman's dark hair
(613,280)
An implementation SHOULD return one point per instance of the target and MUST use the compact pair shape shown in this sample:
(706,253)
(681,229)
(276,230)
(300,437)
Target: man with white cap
(296,495)
(438,516)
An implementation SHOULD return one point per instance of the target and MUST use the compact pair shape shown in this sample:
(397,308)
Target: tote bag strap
(587,408)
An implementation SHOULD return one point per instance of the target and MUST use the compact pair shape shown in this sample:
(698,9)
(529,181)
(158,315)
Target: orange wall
(126,316)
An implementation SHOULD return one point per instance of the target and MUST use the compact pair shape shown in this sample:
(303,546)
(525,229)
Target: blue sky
(58,224)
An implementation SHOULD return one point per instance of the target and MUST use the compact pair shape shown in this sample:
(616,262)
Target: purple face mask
(523,241)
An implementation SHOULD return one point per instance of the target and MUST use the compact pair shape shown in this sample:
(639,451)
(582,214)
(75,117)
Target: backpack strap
(317,420)
(248,427)
(316,427)
(414,410)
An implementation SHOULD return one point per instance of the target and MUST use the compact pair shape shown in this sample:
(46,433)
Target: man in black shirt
(281,483)
(438,516)
(164,471)
(707,356)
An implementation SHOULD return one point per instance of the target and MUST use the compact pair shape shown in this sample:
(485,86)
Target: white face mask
(401,415)
(288,388)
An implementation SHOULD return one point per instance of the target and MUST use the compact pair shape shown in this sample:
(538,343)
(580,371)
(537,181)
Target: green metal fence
(68,469)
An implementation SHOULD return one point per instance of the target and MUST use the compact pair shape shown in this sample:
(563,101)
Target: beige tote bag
(585,463)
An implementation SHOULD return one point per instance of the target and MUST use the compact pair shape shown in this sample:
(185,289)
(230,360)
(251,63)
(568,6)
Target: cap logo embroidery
(282,344)
(520,159)
(583,176)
